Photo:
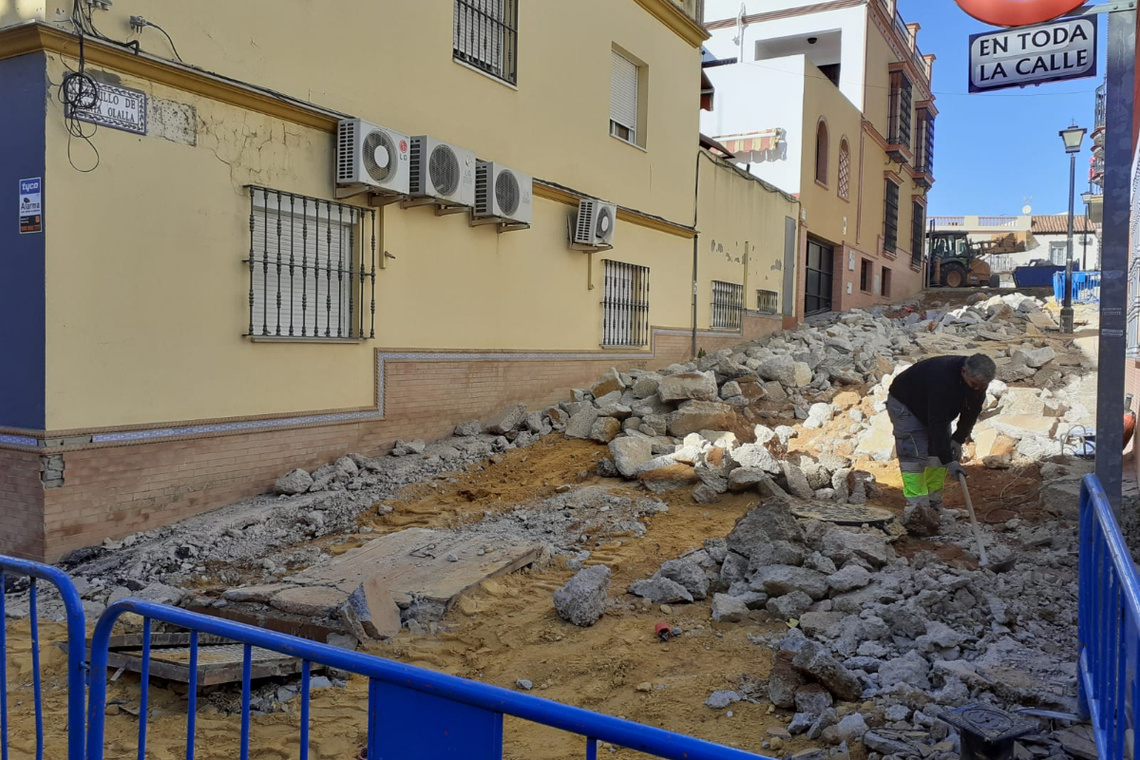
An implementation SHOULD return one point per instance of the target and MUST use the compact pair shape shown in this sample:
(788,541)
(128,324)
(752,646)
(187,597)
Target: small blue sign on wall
(31,204)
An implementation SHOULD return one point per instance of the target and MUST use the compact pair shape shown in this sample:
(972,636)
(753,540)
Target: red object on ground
(1017,12)
(664,632)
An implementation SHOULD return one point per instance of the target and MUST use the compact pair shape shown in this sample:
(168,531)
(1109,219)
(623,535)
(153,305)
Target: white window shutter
(623,92)
(319,249)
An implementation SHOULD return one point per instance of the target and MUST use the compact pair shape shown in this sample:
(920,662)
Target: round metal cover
(991,724)
(379,156)
(843,514)
(604,223)
(443,168)
(507,192)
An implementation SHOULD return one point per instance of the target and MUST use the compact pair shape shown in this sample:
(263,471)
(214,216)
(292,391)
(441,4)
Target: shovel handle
(973,521)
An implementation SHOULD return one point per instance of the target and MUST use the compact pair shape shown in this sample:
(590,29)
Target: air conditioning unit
(441,171)
(374,156)
(503,193)
(595,223)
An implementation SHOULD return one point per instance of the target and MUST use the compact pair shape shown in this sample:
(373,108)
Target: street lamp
(1072,138)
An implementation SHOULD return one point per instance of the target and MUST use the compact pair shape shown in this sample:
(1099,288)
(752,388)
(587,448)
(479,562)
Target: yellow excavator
(957,261)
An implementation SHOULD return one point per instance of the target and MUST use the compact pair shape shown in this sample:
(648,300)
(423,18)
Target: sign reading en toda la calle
(1017,12)
(1033,55)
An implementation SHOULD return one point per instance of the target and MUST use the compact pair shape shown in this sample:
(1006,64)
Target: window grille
(891,218)
(1132,349)
(767,301)
(625,308)
(865,276)
(900,107)
(623,98)
(917,233)
(727,305)
(844,170)
(885,282)
(485,35)
(312,267)
(924,145)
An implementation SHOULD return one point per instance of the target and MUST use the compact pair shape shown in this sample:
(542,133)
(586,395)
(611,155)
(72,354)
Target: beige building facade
(832,102)
(204,301)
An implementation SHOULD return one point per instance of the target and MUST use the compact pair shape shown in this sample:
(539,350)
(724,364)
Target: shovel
(1000,567)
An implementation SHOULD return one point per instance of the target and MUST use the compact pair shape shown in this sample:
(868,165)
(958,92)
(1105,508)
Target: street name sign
(1032,55)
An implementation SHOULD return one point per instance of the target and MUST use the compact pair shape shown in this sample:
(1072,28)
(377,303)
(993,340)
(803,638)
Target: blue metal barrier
(76,660)
(412,712)
(1085,289)
(1109,627)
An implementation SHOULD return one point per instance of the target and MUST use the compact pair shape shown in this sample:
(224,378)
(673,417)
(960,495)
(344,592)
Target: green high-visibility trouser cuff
(935,478)
(915,485)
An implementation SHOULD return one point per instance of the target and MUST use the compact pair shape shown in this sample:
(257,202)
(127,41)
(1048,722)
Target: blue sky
(995,152)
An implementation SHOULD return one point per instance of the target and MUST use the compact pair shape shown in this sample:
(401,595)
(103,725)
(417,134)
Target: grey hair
(981,367)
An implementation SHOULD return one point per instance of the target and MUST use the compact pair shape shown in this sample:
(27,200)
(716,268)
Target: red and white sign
(1017,12)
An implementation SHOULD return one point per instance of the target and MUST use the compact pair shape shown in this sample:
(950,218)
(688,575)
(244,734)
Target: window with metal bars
(625,305)
(485,35)
(1132,331)
(917,233)
(891,218)
(312,268)
(767,301)
(885,282)
(844,170)
(727,305)
(865,275)
(898,127)
(924,145)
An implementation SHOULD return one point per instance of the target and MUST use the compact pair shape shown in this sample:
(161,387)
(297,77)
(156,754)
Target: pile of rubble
(880,646)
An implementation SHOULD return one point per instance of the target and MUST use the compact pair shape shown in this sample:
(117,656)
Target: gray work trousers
(923,475)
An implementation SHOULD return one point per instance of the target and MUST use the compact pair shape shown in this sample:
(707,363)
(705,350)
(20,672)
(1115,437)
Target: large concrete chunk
(688,574)
(608,383)
(660,590)
(581,423)
(754,456)
(785,370)
(630,454)
(694,416)
(506,420)
(582,601)
(813,660)
(293,482)
(843,545)
(777,580)
(687,386)
(760,527)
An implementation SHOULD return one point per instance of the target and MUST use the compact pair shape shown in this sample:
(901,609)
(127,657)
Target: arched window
(821,153)
(844,169)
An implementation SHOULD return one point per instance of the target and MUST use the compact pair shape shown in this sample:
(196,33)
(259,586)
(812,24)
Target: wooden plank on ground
(217,664)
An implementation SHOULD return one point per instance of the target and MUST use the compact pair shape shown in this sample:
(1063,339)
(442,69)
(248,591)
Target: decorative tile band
(19,440)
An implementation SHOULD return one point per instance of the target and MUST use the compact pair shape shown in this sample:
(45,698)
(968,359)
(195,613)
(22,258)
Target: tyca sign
(1017,12)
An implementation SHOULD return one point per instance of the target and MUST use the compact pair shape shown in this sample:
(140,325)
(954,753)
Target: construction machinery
(957,259)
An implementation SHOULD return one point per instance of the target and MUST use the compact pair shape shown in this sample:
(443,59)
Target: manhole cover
(988,723)
(843,514)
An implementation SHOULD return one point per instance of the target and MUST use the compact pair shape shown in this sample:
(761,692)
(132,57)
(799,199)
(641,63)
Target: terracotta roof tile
(1054,224)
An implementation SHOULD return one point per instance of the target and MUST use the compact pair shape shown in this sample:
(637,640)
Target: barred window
(865,275)
(312,267)
(891,218)
(767,301)
(885,283)
(727,305)
(898,127)
(625,305)
(485,35)
(1132,334)
(917,232)
(844,170)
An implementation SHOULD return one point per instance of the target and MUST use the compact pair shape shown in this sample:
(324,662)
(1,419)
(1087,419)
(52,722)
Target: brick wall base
(113,490)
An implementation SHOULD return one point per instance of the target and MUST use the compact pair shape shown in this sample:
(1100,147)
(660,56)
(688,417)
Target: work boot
(921,518)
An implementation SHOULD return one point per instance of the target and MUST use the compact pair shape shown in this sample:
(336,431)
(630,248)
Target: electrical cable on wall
(79,92)
(138,23)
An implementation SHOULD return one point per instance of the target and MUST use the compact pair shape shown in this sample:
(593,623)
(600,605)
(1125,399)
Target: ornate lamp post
(1072,138)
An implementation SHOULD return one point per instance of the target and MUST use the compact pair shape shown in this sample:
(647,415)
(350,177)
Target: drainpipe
(696,241)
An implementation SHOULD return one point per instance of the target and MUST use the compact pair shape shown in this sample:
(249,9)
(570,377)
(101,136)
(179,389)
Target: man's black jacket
(936,393)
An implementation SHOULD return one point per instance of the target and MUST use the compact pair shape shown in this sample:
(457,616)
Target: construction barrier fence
(12,569)
(1109,627)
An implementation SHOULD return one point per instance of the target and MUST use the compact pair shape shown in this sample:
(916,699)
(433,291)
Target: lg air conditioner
(442,172)
(372,156)
(503,194)
(594,226)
